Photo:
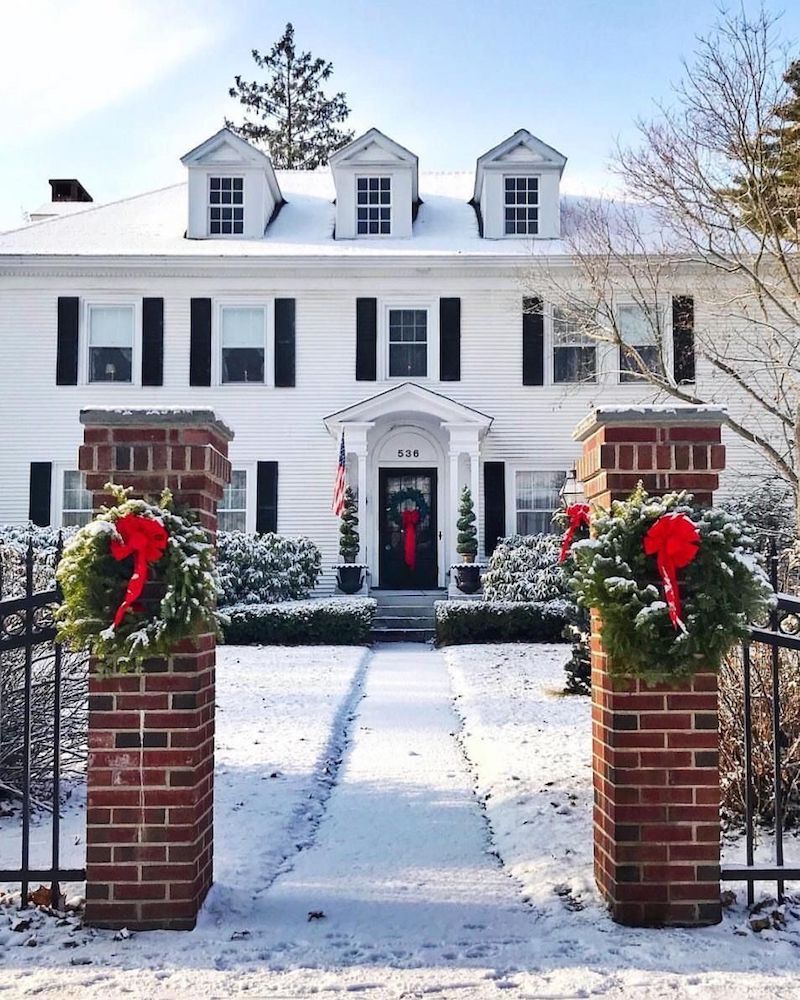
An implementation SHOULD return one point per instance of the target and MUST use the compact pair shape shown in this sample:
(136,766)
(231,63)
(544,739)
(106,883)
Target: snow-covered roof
(154,224)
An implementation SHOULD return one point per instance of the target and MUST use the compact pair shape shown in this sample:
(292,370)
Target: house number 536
(407,453)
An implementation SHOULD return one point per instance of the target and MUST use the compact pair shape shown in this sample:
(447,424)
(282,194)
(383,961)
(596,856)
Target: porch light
(572,490)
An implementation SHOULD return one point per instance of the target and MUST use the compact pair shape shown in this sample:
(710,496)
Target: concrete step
(403,621)
(406,600)
(402,634)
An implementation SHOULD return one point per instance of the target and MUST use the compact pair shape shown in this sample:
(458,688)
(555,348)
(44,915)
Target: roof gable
(225,147)
(409,398)
(373,149)
(522,148)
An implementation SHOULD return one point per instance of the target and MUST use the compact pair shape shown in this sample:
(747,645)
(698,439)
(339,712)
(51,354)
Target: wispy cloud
(61,60)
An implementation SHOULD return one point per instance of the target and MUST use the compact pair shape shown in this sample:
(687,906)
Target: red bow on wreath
(577,517)
(145,539)
(674,541)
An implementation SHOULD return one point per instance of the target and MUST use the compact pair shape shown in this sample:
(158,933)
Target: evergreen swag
(348,529)
(94,583)
(467,542)
(723,590)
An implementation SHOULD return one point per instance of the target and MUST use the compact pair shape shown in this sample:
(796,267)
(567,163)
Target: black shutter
(366,340)
(284,342)
(494,504)
(67,342)
(40,484)
(200,343)
(152,341)
(267,497)
(450,340)
(683,338)
(532,342)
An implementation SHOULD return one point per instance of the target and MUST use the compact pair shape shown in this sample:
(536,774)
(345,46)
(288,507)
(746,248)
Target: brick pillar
(150,776)
(655,747)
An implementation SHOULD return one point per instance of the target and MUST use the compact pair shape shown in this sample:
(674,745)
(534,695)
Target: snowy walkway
(401,865)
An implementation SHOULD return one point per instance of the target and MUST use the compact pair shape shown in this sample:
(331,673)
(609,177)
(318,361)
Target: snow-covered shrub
(767,512)
(459,622)
(731,732)
(264,569)
(578,667)
(526,568)
(333,622)
(14,539)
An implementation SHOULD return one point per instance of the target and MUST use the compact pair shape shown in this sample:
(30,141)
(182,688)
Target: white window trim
(83,339)
(550,351)
(249,469)
(425,305)
(511,487)
(57,491)
(614,352)
(520,236)
(373,173)
(268,305)
(225,173)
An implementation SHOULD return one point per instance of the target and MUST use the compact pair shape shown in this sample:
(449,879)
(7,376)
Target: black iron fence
(764,706)
(33,670)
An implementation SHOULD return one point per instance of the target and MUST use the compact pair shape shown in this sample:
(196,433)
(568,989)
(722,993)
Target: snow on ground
(371,828)
(530,753)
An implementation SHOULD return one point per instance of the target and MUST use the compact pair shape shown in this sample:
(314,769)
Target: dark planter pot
(349,578)
(468,578)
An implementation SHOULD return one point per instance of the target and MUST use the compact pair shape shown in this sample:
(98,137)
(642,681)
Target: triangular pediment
(225,147)
(373,147)
(522,148)
(409,398)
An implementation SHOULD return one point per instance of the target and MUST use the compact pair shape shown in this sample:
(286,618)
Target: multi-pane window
(374,205)
(574,352)
(637,328)
(522,206)
(110,343)
(225,205)
(408,342)
(244,341)
(537,499)
(76,501)
(232,510)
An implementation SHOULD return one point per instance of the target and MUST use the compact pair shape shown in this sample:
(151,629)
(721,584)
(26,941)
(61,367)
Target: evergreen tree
(291,114)
(348,534)
(768,197)
(467,544)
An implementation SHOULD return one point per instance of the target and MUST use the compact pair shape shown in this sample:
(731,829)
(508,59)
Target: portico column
(452,513)
(355,439)
(464,438)
(475,487)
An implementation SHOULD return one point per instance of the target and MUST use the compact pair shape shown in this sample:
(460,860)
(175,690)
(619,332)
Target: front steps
(405,615)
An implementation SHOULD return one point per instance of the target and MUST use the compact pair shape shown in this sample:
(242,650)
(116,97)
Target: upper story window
(76,501)
(232,510)
(373,206)
(225,205)
(243,339)
(537,498)
(110,343)
(574,352)
(408,343)
(522,206)
(637,329)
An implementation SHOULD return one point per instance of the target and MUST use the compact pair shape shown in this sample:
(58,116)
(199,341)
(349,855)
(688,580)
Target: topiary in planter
(467,542)
(349,541)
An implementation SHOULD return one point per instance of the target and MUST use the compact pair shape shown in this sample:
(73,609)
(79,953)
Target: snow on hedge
(331,621)
(525,568)
(257,569)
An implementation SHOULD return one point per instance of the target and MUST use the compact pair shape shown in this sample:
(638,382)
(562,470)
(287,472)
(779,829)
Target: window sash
(537,497)
(521,199)
(76,500)
(225,206)
(408,343)
(232,509)
(374,206)
(243,343)
(110,343)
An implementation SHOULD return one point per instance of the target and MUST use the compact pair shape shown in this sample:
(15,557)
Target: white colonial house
(371,297)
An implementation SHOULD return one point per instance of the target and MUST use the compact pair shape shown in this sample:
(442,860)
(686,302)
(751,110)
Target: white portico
(396,437)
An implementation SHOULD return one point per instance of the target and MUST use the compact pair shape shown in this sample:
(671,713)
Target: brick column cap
(652,416)
(154,416)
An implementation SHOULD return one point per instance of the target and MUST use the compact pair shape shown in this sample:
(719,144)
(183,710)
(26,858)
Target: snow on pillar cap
(166,416)
(651,415)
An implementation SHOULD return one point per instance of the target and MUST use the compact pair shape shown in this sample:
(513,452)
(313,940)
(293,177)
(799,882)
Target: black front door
(408,532)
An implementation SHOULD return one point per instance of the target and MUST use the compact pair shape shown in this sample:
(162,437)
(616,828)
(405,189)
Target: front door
(408,532)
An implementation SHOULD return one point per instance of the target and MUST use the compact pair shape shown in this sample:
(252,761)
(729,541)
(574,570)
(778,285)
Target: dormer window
(374,206)
(225,206)
(522,206)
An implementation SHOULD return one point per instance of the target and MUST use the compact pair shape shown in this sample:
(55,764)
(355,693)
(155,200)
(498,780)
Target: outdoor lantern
(572,490)
(111,371)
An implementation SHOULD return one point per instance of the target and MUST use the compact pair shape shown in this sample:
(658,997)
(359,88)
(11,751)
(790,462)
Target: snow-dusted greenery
(467,541)
(14,540)
(349,541)
(333,622)
(459,622)
(525,568)
(264,569)
(768,513)
(94,583)
(723,590)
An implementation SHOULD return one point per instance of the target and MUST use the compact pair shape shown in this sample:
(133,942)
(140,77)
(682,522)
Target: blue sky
(115,91)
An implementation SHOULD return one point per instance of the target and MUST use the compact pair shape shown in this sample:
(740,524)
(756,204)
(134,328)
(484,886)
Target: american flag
(338,488)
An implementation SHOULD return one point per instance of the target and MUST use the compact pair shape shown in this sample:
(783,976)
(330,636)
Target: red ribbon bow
(577,517)
(145,539)
(674,541)
(410,520)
